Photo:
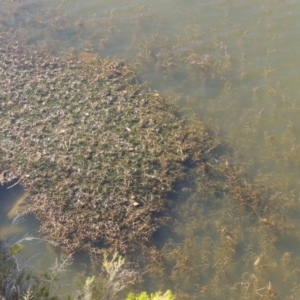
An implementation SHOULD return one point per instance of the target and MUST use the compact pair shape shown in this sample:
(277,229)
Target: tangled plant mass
(97,152)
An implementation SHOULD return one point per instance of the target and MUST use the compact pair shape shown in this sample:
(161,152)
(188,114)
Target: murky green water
(235,64)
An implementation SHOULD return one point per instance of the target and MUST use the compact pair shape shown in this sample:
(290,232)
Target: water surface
(235,64)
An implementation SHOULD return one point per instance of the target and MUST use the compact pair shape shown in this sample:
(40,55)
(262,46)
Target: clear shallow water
(235,64)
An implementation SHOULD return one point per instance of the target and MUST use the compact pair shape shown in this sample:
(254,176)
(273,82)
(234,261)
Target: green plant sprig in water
(15,249)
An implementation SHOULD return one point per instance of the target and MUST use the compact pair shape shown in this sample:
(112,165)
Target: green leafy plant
(168,295)
(15,249)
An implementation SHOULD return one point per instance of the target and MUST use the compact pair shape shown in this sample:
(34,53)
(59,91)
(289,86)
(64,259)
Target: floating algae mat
(98,153)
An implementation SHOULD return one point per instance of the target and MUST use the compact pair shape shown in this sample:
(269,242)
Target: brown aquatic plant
(98,153)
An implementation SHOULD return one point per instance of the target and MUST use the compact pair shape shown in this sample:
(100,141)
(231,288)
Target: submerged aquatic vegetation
(236,235)
(97,152)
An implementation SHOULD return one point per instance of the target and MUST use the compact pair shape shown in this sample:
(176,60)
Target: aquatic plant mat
(98,153)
